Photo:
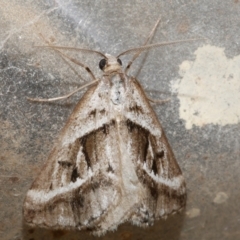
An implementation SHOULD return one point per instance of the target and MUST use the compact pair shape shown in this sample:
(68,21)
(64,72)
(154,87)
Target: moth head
(110,64)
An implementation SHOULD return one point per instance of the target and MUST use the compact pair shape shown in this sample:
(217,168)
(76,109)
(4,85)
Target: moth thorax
(117,89)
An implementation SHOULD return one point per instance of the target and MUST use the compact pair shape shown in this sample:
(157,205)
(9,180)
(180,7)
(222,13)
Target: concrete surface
(201,121)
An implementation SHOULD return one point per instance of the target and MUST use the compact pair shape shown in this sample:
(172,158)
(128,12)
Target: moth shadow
(170,228)
(30,233)
(163,229)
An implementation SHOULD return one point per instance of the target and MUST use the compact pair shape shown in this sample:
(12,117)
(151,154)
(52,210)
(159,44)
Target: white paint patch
(193,213)
(209,90)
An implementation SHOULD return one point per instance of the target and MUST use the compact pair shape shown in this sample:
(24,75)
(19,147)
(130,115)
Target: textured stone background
(207,148)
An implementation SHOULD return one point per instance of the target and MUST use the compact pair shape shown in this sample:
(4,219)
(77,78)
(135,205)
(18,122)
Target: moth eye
(119,61)
(102,63)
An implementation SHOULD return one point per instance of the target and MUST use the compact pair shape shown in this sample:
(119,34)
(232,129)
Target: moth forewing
(112,163)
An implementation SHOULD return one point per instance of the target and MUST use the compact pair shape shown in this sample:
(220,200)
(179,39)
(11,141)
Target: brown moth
(112,162)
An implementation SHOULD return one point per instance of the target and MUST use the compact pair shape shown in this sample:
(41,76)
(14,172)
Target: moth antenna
(143,48)
(73,59)
(145,43)
(74,49)
(62,97)
(80,64)
(61,55)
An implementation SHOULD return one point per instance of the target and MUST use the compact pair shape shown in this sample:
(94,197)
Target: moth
(112,162)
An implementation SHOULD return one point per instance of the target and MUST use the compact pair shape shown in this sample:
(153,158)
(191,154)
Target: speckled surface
(207,150)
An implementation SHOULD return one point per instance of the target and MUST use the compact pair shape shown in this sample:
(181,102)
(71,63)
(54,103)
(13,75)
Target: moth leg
(55,48)
(62,97)
(63,56)
(146,42)
(78,63)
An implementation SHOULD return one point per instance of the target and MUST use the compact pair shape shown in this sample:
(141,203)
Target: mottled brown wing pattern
(73,188)
(156,166)
(111,164)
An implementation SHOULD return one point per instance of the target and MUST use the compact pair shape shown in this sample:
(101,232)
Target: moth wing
(156,166)
(73,188)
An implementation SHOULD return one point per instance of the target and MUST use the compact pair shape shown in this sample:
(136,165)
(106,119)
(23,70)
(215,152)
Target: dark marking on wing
(74,175)
(72,153)
(92,113)
(113,122)
(89,146)
(77,202)
(154,191)
(130,125)
(160,154)
(150,153)
(110,169)
(140,138)
(145,150)
(146,180)
(173,195)
(84,150)
(102,111)
(137,109)
(105,128)
(65,164)
(154,167)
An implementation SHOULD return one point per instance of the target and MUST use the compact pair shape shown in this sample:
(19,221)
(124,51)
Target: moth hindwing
(112,163)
